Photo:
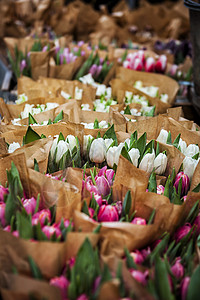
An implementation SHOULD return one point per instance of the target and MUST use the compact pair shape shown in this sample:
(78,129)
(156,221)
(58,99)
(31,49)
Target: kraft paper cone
(3,146)
(109,290)
(10,295)
(39,64)
(195,177)
(175,112)
(19,160)
(4,111)
(27,286)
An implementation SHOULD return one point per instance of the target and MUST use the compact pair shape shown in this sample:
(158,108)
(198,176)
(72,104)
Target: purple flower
(103,186)
(93,70)
(185,183)
(178,269)
(49,231)
(137,257)
(61,56)
(184,287)
(118,206)
(145,252)
(90,186)
(182,231)
(98,71)
(139,276)
(41,217)
(62,283)
(109,175)
(29,205)
(98,198)
(91,212)
(45,48)
(22,65)
(82,53)
(108,213)
(80,43)
(139,221)
(3,192)
(2,214)
(197,224)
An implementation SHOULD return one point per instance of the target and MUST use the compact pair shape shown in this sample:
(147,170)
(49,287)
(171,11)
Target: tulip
(197,224)
(139,221)
(85,142)
(29,205)
(23,65)
(97,151)
(149,64)
(113,155)
(45,48)
(163,135)
(161,64)
(3,192)
(189,166)
(80,43)
(137,65)
(71,262)
(15,233)
(147,162)
(140,54)
(178,269)
(184,287)
(160,189)
(90,186)
(160,163)
(137,257)
(2,214)
(173,70)
(53,146)
(62,148)
(134,154)
(93,70)
(126,64)
(41,217)
(108,213)
(71,142)
(145,252)
(185,183)
(139,276)
(182,146)
(118,206)
(191,150)
(109,175)
(62,283)
(103,186)
(91,212)
(182,231)
(83,297)
(108,142)
(98,198)
(49,231)
(98,71)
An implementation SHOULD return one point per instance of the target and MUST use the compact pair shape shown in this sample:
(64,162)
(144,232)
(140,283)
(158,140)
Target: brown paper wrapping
(3,146)
(39,64)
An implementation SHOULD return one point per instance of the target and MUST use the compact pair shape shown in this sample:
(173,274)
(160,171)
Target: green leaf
(43,136)
(141,144)
(24,226)
(169,138)
(152,187)
(121,280)
(110,134)
(173,175)
(197,188)
(157,149)
(193,289)
(125,154)
(151,112)
(97,229)
(31,119)
(150,146)
(49,122)
(60,137)
(36,273)
(196,156)
(176,141)
(127,110)
(59,117)
(160,248)
(85,208)
(124,55)
(126,204)
(193,212)
(151,218)
(36,166)
(175,198)
(96,124)
(37,204)
(129,260)
(31,136)
(168,188)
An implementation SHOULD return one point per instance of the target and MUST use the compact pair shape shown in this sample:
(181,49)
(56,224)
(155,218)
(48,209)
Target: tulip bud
(108,142)
(15,233)
(118,206)
(93,70)
(147,162)
(173,70)
(191,150)
(91,212)
(98,71)
(90,186)
(149,64)
(108,213)
(126,64)
(85,142)
(29,205)
(160,163)
(178,269)
(62,283)
(182,145)
(23,65)
(80,43)
(160,189)
(134,155)
(141,56)
(197,224)
(41,217)
(137,65)
(139,276)
(45,48)
(182,231)
(53,146)
(49,231)
(185,183)
(189,166)
(109,175)
(3,192)
(97,151)
(139,221)
(184,287)
(161,64)
(113,155)
(83,297)
(137,257)
(163,135)
(71,140)
(62,148)
(145,252)
(103,186)
(2,214)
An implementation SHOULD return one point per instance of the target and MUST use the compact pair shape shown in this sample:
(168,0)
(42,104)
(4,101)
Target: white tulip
(147,162)
(27,109)
(189,166)
(54,145)
(108,142)
(85,142)
(163,135)
(78,93)
(134,155)
(97,151)
(191,150)
(103,124)
(113,155)
(62,148)
(13,146)
(160,163)
(50,105)
(127,141)
(182,144)
(71,142)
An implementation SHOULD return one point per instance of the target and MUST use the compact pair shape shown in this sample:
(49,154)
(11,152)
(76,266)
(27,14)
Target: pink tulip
(145,252)
(15,233)
(71,262)
(141,56)
(103,186)
(184,198)
(161,64)
(137,257)
(23,65)
(45,48)
(29,205)
(184,287)
(182,231)
(178,269)
(109,175)
(2,214)
(139,276)
(118,206)
(62,283)
(197,224)
(108,213)
(185,183)
(173,70)
(3,191)
(51,176)
(102,172)
(139,221)
(82,297)
(98,71)
(90,186)
(7,228)
(80,43)
(49,231)
(160,189)
(41,217)
(91,212)
(98,198)
(150,64)
(137,65)
(93,70)
(82,53)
